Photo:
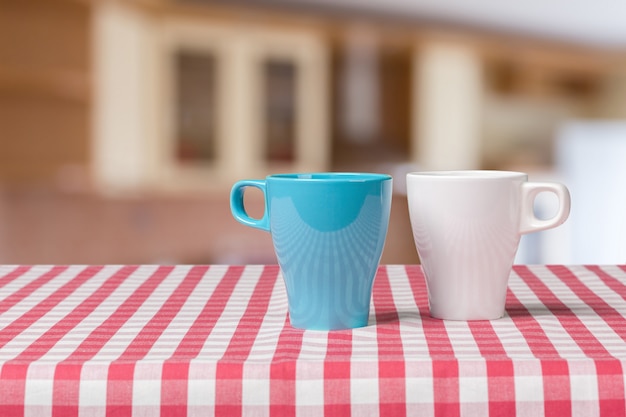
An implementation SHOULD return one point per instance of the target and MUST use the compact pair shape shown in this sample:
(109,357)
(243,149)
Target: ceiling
(601,23)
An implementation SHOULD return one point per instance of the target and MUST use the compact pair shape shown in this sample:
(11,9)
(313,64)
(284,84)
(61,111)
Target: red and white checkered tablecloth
(215,340)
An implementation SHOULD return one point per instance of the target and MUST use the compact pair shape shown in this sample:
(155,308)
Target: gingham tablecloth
(205,340)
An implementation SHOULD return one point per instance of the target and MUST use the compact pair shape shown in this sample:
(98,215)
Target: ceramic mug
(467,226)
(328,232)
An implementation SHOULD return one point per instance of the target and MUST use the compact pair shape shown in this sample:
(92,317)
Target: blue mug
(328,231)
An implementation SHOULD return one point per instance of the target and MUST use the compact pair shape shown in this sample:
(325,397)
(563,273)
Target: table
(193,340)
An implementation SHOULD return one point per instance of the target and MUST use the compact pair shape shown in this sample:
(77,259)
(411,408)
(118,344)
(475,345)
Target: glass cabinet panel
(280,80)
(195,83)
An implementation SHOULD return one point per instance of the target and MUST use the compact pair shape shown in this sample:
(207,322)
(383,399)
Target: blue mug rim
(330,177)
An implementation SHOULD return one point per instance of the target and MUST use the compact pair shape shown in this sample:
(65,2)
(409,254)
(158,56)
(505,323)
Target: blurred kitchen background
(123,124)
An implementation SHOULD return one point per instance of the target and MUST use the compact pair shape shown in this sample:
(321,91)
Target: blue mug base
(330,323)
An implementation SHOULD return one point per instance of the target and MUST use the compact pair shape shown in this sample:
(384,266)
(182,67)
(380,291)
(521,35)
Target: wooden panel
(44,88)
(44,34)
(39,136)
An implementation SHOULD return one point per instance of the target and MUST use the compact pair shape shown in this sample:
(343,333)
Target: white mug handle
(529,222)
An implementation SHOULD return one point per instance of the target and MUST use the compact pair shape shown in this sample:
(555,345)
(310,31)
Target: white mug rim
(475,174)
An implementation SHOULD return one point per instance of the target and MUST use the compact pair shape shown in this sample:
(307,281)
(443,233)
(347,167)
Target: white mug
(467,226)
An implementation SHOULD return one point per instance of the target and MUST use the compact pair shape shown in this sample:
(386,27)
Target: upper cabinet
(212,101)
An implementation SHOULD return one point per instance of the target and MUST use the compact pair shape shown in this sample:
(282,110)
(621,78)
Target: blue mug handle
(239,211)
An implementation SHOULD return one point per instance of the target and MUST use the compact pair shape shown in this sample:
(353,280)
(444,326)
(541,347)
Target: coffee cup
(328,231)
(467,226)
